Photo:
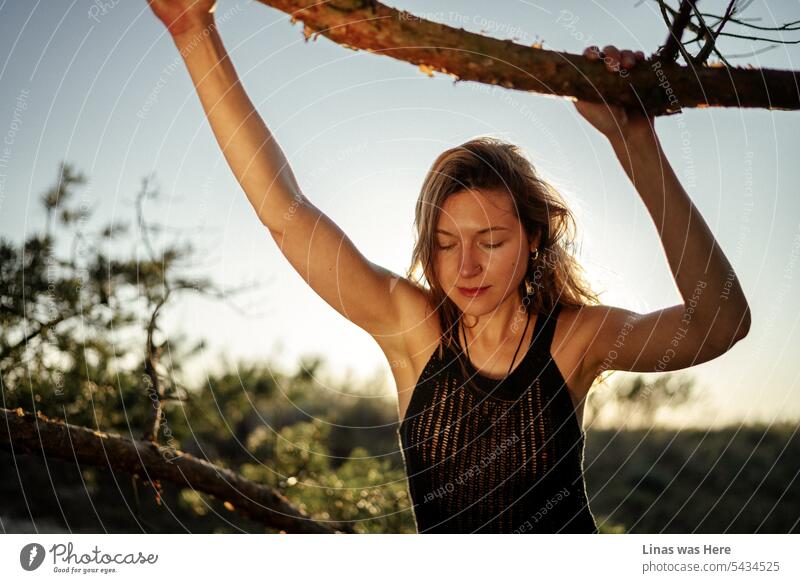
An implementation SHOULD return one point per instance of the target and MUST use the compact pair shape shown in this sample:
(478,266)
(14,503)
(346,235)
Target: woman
(491,432)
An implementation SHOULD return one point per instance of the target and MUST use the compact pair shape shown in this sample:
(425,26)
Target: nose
(470,264)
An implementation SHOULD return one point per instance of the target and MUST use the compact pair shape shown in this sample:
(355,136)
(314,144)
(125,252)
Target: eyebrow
(486,230)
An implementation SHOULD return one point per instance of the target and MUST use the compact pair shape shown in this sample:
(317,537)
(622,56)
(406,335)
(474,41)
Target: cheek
(443,269)
(507,264)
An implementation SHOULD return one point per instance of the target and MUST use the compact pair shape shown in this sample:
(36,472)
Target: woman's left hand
(611,120)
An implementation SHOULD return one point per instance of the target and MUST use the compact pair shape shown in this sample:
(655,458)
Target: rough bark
(658,87)
(26,433)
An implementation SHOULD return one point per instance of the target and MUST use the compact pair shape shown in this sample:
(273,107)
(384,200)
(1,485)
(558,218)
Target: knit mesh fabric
(503,457)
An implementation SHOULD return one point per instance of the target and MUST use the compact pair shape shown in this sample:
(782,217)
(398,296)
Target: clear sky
(100,85)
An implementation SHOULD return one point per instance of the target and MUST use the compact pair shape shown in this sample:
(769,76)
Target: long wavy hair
(491,163)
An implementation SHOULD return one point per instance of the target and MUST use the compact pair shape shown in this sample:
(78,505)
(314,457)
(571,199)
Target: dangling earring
(529,286)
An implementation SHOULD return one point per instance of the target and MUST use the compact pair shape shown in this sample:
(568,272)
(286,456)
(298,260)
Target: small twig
(704,32)
(711,39)
(709,35)
(11,350)
(758,38)
(150,367)
(753,53)
(794,25)
(144,227)
(669,52)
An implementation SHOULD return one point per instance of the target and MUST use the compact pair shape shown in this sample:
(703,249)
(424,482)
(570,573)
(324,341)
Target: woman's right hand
(180,16)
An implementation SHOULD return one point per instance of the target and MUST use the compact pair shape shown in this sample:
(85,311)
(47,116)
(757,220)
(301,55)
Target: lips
(473,292)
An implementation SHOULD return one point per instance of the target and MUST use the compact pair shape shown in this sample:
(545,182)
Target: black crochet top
(503,457)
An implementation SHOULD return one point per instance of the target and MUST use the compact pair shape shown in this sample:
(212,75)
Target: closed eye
(488,245)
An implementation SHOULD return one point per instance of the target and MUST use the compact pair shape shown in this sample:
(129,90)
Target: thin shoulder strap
(545,329)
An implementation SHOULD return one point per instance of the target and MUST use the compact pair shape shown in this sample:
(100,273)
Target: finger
(640,55)
(611,57)
(592,53)
(628,59)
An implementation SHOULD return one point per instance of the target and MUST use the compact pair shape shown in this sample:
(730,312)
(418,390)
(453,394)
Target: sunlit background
(105,89)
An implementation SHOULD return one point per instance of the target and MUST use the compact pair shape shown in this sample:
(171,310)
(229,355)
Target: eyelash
(490,246)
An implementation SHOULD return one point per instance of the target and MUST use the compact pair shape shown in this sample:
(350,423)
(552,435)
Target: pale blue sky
(105,89)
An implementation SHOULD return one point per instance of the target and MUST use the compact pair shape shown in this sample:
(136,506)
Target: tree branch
(786,26)
(673,43)
(374,27)
(154,390)
(10,351)
(711,36)
(25,432)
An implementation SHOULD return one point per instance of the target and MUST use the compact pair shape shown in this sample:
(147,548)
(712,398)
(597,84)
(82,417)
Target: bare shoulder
(417,329)
(580,324)
(574,323)
(573,334)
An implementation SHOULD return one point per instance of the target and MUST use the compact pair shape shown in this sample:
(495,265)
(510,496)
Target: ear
(536,240)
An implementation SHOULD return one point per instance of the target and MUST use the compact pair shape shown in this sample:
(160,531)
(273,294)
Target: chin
(475,307)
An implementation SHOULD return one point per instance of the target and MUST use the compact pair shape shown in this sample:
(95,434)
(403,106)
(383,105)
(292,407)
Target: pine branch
(466,56)
(25,433)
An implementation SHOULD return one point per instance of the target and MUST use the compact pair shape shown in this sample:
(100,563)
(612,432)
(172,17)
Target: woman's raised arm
(714,313)
(370,296)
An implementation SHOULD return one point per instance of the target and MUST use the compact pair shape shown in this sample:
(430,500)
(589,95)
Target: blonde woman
(493,338)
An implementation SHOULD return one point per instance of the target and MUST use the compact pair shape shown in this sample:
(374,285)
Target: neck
(505,322)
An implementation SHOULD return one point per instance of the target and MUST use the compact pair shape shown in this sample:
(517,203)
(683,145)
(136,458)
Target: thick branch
(371,26)
(23,432)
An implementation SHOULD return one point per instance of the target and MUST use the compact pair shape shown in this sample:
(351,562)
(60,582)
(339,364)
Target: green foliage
(74,345)
(363,490)
(734,480)
(73,340)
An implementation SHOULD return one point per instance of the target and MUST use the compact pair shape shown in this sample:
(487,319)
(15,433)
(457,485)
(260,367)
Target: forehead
(473,209)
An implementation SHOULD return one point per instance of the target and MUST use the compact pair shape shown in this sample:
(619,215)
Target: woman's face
(480,250)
